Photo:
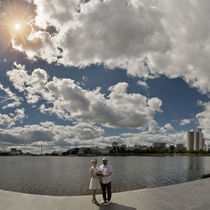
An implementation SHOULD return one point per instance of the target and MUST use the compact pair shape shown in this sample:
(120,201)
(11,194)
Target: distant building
(15,151)
(131,148)
(81,151)
(205,148)
(159,145)
(137,147)
(95,150)
(105,151)
(195,140)
(58,153)
(180,146)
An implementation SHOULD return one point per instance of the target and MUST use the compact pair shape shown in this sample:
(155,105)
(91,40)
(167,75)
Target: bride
(94,181)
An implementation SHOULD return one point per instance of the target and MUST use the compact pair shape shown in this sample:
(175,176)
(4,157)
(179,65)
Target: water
(70,175)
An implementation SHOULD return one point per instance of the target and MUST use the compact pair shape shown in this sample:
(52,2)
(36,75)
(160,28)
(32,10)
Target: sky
(79,73)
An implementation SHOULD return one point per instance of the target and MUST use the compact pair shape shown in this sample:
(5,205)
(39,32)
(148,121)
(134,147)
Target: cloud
(169,128)
(185,121)
(142,83)
(135,29)
(87,131)
(19,115)
(204,120)
(10,120)
(6,120)
(142,37)
(154,128)
(60,138)
(50,135)
(69,101)
(33,84)
(10,99)
(147,138)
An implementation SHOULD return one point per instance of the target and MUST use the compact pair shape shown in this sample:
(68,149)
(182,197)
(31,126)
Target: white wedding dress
(94,181)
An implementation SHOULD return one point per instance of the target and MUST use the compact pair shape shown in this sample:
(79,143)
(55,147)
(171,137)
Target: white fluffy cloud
(186,23)
(118,33)
(153,127)
(143,84)
(33,85)
(6,120)
(60,138)
(204,120)
(50,134)
(185,121)
(147,138)
(10,120)
(169,128)
(10,99)
(71,102)
(147,38)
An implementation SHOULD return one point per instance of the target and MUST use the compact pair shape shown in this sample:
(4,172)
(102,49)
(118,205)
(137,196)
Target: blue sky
(102,71)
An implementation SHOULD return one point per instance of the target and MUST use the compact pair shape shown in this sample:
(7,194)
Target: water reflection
(195,167)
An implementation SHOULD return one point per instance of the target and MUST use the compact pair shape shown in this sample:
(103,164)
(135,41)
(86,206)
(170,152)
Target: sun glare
(17,26)
(16,21)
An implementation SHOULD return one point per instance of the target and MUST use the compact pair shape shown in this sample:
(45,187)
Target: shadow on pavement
(115,206)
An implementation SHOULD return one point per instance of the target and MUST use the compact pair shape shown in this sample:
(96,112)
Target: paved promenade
(186,196)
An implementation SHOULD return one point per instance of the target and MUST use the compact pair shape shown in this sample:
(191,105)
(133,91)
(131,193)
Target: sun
(16,21)
(17,26)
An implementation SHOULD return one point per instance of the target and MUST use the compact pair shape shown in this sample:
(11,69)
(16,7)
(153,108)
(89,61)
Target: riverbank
(186,196)
(117,155)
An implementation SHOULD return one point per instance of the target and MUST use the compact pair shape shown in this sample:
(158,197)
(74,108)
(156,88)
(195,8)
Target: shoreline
(188,195)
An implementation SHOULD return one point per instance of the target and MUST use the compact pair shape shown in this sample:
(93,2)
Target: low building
(105,151)
(57,153)
(81,151)
(137,147)
(95,150)
(205,148)
(131,148)
(180,146)
(15,151)
(159,145)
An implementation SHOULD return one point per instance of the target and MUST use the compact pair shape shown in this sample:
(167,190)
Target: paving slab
(186,196)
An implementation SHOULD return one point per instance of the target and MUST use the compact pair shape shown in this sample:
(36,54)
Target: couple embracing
(101,178)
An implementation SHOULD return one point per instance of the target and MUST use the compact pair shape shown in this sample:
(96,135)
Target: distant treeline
(120,151)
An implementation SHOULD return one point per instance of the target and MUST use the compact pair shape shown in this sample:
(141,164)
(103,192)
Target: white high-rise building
(195,140)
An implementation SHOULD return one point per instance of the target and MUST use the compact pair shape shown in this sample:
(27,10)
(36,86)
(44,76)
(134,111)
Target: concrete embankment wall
(187,196)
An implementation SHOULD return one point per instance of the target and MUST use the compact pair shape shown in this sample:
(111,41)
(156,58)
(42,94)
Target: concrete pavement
(187,196)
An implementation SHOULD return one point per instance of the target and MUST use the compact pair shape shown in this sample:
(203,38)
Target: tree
(171,149)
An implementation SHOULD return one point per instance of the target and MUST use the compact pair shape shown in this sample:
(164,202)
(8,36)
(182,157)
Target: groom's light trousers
(106,187)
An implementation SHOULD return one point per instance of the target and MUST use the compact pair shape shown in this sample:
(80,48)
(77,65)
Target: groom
(106,181)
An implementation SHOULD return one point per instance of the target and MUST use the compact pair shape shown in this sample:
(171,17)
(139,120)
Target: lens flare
(16,22)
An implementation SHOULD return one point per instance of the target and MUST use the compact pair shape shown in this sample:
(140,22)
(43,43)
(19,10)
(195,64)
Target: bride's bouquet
(99,173)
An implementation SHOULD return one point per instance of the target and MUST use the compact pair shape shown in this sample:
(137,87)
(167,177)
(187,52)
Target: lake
(70,175)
